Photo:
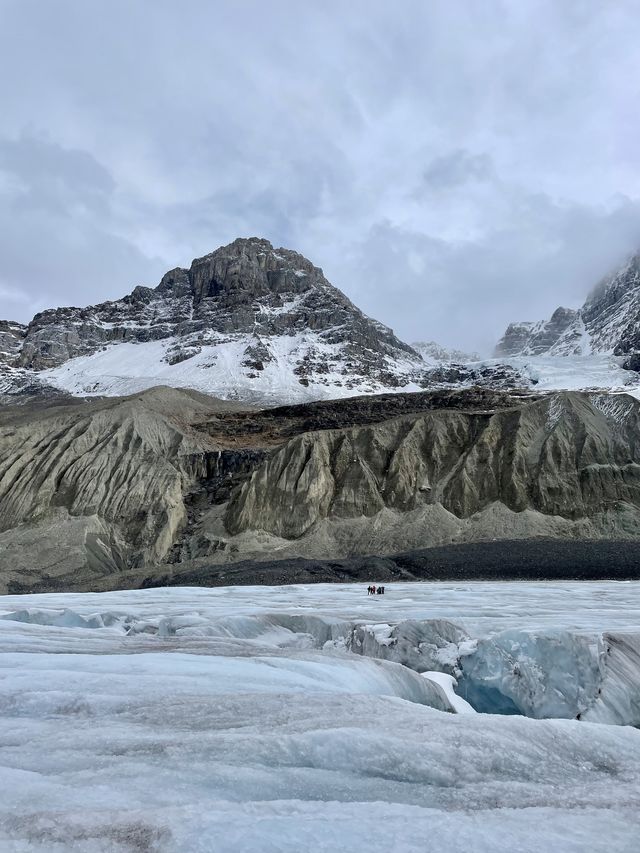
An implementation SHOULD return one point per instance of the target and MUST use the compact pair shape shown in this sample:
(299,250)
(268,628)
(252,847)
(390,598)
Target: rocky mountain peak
(613,288)
(246,321)
(247,314)
(608,322)
(251,269)
(247,269)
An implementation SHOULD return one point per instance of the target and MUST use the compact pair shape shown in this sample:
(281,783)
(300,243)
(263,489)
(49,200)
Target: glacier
(128,368)
(588,372)
(471,716)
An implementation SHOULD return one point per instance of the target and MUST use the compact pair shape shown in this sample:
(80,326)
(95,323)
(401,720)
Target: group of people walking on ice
(375,590)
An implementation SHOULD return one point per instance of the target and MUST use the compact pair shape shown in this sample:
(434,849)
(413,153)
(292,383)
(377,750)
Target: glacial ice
(449,685)
(553,675)
(317,718)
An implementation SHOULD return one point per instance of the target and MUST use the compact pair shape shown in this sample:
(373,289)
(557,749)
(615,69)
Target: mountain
(247,322)
(467,468)
(11,340)
(93,487)
(128,491)
(608,322)
(433,353)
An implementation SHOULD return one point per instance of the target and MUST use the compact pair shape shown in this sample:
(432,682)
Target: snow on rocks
(572,373)
(244,321)
(616,409)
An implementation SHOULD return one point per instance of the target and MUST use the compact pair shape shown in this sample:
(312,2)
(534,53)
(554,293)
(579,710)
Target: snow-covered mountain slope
(608,322)
(246,321)
(221,367)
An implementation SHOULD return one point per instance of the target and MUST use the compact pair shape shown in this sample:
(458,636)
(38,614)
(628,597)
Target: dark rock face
(561,335)
(612,311)
(608,322)
(499,377)
(632,362)
(515,340)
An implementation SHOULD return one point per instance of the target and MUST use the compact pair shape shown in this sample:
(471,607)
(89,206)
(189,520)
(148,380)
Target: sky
(452,167)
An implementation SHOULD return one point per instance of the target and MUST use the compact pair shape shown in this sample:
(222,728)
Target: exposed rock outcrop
(147,483)
(561,335)
(102,481)
(11,340)
(570,456)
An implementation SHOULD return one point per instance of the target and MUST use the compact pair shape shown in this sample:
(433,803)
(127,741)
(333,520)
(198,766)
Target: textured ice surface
(240,719)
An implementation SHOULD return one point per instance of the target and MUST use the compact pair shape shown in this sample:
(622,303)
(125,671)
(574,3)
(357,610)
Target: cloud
(456,169)
(47,172)
(59,230)
(452,166)
(553,255)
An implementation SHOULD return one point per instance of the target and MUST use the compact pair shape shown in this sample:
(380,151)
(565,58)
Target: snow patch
(615,409)
(382,633)
(216,367)
(448,684)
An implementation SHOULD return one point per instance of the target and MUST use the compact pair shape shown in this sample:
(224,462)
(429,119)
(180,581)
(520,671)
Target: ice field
(316,718)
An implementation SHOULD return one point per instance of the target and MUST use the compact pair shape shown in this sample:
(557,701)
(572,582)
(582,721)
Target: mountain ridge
(247,320)
(167,479)
(608,322)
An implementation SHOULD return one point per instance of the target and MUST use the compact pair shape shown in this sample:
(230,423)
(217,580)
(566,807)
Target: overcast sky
(452,166)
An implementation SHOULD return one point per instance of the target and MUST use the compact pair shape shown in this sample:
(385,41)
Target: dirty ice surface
(463,717)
